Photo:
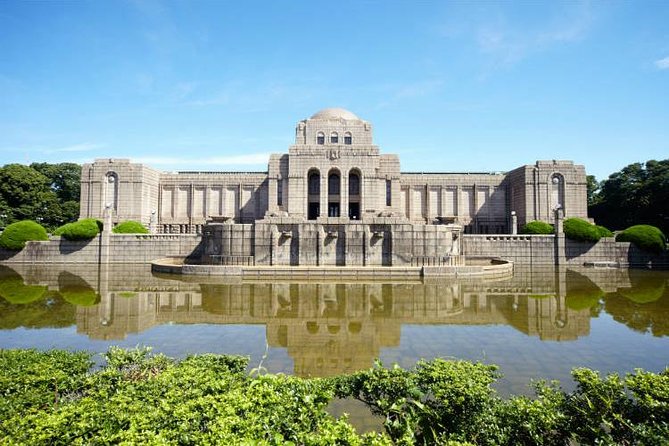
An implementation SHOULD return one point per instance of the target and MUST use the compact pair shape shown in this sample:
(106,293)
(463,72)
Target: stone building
(333,183)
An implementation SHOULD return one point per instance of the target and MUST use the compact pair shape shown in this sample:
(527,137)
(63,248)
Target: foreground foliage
(130,227)
(16,235)
(646,237)
(53,398)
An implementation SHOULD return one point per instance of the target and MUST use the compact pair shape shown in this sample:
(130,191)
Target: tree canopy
(43,192)
(637,194)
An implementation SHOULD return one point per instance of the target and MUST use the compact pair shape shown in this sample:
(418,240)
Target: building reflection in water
(331,328)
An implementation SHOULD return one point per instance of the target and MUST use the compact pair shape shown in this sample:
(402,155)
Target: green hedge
(581,230)
(604,231)
(16,235)
(537,227)
(84,229)
(130,227)
(646,237)
(136,398)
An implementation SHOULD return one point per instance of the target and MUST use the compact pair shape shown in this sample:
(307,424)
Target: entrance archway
(334,193)
(354,194)
(313,194)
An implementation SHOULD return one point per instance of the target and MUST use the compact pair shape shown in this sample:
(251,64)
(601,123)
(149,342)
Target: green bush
(142,399)
(537,227)
(16,235)
(139,398)
(84,229)
(645,237)
(581,230)
(603,231)
(130,227)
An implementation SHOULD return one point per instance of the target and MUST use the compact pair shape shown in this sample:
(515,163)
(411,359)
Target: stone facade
(332,200)
(333,171)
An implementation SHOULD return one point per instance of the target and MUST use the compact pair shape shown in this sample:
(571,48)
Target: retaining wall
(113,248)
(540,250)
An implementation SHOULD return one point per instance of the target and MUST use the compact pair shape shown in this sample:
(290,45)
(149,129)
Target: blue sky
(449,86)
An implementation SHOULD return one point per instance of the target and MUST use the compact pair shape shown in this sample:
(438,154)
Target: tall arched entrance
(313,194)
(334,193)
(354,193)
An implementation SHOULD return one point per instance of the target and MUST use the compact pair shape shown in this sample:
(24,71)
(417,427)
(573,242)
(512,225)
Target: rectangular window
(279,192)
(389,191)
(348,140)
(334,139)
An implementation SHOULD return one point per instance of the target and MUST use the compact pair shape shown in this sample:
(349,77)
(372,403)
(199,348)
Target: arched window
(334,187)
(334,138)
(353,183)
(333,183)
(314,182)
(320,138)
(348,139)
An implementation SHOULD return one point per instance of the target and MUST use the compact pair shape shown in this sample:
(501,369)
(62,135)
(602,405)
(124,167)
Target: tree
(593,188)
(637,194)
(23,189)
(64,179)
(46,193)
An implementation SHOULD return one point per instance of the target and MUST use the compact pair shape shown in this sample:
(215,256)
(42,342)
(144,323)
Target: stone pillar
(152,222)
(105,236)
(272,205)
(514,223)
(343,195)
(324,195)
(560,257)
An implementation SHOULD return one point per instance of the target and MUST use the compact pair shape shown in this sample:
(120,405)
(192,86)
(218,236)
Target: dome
(335,113)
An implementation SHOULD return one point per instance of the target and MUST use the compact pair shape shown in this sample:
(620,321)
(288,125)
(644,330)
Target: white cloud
(505,41)
(662,64)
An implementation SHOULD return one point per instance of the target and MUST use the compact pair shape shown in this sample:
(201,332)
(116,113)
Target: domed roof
(335,113)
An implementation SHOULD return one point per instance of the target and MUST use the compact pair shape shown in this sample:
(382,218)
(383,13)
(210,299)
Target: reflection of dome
(335,113)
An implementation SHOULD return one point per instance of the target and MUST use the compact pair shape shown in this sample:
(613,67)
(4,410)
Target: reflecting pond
(538,324)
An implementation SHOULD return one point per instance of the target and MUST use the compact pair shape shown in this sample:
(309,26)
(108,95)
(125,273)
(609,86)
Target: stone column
(272,204)
(324,195)
(514,223)
(343,195)
(560,257)
(152,222)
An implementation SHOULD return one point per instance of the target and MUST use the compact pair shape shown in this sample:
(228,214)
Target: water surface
(538,324)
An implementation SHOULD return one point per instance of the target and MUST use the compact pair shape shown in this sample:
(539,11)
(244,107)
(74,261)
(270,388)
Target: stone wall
(540,250)
(120,248)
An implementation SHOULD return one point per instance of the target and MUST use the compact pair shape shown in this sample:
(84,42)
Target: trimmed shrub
(581,230)
(16,235)
(603,231)
(645,237)
(130,227)
(537,227)
(84,229)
